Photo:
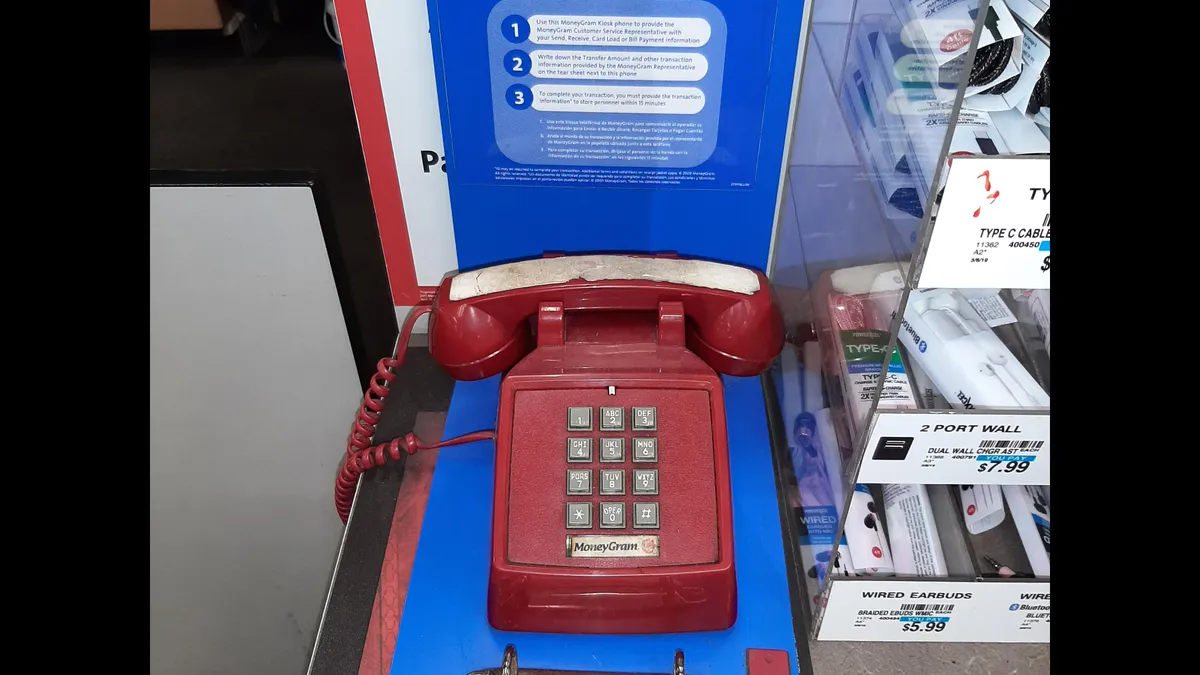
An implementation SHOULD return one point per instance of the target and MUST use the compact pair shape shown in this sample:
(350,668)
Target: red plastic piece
(691,585)
(768,662)
(474,339)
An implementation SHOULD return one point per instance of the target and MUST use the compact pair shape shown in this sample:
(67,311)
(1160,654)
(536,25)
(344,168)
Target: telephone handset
(612,510)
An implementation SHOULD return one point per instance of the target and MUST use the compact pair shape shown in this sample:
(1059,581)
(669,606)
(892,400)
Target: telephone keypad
(645,449)
(579,449)
(579,515)
(645,419)
(579,419)
(645,482)
(612,419)
(612,482)
(645,515)
(612,449)
(612,515)
(579,482)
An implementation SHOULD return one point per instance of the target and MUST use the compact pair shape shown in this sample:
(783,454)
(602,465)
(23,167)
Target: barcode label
(926,608)
(1013,445)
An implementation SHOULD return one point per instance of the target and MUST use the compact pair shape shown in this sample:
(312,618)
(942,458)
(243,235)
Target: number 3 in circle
(519,96)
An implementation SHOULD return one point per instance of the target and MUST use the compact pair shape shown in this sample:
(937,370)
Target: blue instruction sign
(614,125)
(622,93)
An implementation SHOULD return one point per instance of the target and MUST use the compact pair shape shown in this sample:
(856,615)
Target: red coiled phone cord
(360,454)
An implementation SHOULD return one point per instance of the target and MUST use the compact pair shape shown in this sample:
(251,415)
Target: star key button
(579,515)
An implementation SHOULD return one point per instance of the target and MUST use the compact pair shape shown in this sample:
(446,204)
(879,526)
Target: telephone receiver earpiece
(481,320)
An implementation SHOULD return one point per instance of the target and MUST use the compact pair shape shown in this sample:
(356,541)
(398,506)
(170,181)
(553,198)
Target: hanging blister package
(1033,13)
(943,29)
(1031,96)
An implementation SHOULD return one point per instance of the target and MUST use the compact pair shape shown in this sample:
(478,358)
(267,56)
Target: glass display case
(912,258)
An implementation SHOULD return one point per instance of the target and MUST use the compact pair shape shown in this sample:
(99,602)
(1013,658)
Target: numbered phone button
(612,419)
(612,449)
(612,515)
(579,482)
(645,481)
(645,515)
(645,419)
(612,482)
(579,515)
(579,449)
(579,419)
(645,449)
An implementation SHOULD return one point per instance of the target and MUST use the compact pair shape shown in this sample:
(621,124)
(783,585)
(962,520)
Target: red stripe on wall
(363,72)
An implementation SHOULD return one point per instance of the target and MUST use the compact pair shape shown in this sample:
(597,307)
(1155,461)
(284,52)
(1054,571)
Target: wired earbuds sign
(993,226)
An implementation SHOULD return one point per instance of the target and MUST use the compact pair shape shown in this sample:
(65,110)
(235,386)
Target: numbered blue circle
(518,96)
(515,28)
(517,63)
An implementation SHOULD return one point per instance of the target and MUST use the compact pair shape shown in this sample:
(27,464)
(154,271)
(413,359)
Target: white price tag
(947,448)
(993,226)
(919,610)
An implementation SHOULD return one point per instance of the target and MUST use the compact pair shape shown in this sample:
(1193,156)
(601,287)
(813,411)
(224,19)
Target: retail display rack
(912,258)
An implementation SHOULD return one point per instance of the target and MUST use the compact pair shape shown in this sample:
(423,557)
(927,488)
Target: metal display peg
(508,666)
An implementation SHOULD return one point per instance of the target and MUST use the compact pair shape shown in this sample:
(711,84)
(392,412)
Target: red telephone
(612,509)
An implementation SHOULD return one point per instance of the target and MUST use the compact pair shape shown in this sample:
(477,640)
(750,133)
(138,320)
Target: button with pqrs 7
(645,449)
(579,481)
(579,449)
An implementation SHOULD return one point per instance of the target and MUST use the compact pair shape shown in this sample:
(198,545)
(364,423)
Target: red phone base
(676,575)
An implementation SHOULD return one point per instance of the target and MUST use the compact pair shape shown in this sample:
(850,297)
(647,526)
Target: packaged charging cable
(944,333)
(853,333)
(1031,515)
(912,531)
(943,29)
(1033,13)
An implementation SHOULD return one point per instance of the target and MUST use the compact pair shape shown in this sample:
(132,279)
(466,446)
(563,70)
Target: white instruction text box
(618,31)
(636,66)
(617,99)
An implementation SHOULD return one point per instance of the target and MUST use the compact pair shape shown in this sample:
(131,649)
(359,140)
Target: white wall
(253,388)
(404,56)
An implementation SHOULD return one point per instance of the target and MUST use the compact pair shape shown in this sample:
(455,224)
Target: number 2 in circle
(516,63)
